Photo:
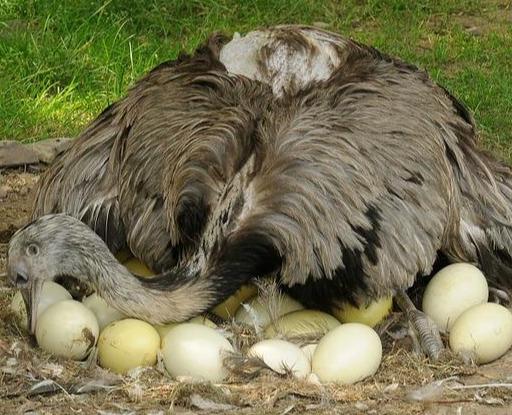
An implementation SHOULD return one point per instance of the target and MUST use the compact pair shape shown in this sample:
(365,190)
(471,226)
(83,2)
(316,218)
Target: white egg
(127,344)
(51,293)
(104,313)
(282,357)
(255,311)
(227,309)
(195,351)
(484,332)
(302,323)
(347,354)
(67,329)
(453,290)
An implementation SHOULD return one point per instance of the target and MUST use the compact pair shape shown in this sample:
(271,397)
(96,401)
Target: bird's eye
(32,250)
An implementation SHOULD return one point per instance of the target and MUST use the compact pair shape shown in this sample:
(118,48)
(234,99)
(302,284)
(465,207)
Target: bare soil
(33,382)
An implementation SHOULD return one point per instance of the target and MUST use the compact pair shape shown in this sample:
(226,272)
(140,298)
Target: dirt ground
(33,382)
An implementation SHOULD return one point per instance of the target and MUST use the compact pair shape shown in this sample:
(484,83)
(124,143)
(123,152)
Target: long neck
(163,298)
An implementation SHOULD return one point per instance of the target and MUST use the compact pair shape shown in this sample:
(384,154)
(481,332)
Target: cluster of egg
(456,300)
(348,349)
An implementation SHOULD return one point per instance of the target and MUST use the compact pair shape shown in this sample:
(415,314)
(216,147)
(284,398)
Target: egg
(347,354)
(195,351)
(126,344)
(453,290)
(227,309)
(302,323)
(255,311)
(163,329)
(67,329)
(370,314)
(104,313)
(51,293)
(484,332)
(204,321)
(282,357)
(138,268)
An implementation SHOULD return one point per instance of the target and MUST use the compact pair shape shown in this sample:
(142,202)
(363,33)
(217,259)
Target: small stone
(14,154)
(47,150)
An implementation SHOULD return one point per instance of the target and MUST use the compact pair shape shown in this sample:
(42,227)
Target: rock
(14,154)
(47,150)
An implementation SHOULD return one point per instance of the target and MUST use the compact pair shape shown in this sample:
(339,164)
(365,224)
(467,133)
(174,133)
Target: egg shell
(163,329)
(204,321)
(126,344)
(255,311)
(51,293)
(105,314)
(302,323)
(282,356)
(67,329)
(227,309)
(138,268)
(347,354)
(484,331)
(195,351)
(453,290)
(370,314)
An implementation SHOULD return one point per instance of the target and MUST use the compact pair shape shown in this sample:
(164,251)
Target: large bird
(291,151)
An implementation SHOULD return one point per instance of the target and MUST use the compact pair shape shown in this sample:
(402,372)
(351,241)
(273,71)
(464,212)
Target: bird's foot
(425,335)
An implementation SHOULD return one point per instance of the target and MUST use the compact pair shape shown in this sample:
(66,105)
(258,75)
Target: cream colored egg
(453,290)
(347,354)
(105,314)
(126,344)
(227,309)
(67,329)
(255,311)
(195,351)
(163,329)
(303,323)
(370,314)
(138,268)
(484,332)
(282,357)
(51,293)
(204,321)
(309,350)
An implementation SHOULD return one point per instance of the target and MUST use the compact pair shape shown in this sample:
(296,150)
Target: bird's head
(52,246)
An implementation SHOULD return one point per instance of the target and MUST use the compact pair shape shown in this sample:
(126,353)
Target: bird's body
(296,152)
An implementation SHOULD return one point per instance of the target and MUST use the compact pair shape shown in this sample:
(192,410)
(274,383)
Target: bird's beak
(31,295)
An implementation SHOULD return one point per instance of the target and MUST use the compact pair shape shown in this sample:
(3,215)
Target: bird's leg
(427,331)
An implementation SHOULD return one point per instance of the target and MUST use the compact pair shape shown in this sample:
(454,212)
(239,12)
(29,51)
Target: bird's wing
(365,192)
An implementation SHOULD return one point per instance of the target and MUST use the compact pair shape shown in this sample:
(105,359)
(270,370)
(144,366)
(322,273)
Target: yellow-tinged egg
(227,309)
(204,321)
(195,351)
(138,268)
(67,329)
(255,311)
(163,329)
(282,357)
(483,332)
(347,354)
(370,314)
(126,344)
(105,314)
(453,290)
(302,323)
(51,293)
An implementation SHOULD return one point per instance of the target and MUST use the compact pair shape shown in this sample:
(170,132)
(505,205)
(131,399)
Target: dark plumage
(292,151)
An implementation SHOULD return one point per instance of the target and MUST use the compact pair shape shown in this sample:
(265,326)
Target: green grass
(62,62)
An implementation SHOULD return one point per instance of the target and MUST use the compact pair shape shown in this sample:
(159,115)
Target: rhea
(291,151)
